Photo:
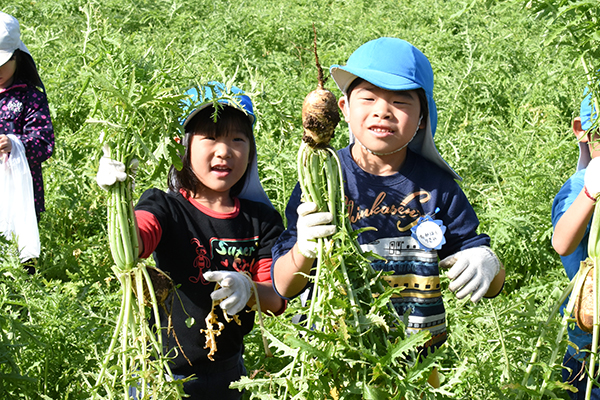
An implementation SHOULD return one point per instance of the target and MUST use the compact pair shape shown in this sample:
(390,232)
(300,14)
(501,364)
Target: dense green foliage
(508,83)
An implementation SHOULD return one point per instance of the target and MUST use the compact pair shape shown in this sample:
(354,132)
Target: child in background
(24,110)
(572,212)
(396,181)
(214,225)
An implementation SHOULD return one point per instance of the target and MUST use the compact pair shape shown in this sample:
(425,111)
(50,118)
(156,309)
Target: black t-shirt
(194,239)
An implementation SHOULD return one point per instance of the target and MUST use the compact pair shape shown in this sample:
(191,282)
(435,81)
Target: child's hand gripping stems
(235,288)
(312,225)
(473,270)
(111,171)
(592,178)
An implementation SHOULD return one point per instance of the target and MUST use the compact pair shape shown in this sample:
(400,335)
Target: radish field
(509,79)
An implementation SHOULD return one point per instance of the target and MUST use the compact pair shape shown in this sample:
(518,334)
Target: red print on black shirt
(201,262)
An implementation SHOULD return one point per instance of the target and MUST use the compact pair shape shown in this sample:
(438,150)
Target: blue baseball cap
(203,97)
(395,64)
(390,63)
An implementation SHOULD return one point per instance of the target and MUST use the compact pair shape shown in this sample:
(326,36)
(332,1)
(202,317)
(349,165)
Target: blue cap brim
(344,76)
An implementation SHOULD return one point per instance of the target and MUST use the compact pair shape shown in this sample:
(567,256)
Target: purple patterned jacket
(24,112)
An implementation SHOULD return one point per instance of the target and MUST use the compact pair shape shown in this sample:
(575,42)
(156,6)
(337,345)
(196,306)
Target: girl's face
(7,72)
(218,163)
(382,120)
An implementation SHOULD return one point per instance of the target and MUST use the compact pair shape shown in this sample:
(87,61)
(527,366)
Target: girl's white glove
(312,225)
(592,177)
(110,171)
(472,271)
(235,288)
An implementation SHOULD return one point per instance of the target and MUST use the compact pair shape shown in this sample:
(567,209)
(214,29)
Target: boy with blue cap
(397,182)
(572,212)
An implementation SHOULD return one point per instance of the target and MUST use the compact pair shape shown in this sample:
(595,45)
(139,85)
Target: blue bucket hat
(234,97)
(588,115)
(201,98)
(394,64)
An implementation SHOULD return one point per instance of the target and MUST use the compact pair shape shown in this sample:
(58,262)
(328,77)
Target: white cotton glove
(110,171)
(472,271)
(592,177)
(312,225)
(235,288)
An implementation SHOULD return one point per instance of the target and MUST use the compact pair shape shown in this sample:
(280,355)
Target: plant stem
(142,335)
(576,284)
(594,254)
(113,342)
(113,236)
(124,226)
(542,331)
(503,343)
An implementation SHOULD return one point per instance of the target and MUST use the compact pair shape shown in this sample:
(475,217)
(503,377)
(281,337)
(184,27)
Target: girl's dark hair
(26,70)
(229,120)
(420,94)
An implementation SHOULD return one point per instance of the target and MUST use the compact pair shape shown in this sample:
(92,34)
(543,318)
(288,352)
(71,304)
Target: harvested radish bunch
(135,116)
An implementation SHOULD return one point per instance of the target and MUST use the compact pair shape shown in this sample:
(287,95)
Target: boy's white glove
(312,225)
(235,288)
(110,171)
(592,177)
(472,271)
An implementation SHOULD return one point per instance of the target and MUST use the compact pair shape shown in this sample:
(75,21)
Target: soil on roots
(162,283)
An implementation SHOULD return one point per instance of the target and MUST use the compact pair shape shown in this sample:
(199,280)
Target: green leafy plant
(506,86)
(137,111)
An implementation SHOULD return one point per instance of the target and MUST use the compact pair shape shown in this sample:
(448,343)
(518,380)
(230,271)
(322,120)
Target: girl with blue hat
(215,225)
(572,212)
(395,181)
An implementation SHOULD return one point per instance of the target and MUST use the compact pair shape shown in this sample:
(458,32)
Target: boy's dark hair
(229,120)
(420,93)
(26,70)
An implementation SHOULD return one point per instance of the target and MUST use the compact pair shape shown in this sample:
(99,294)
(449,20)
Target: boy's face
(382,120)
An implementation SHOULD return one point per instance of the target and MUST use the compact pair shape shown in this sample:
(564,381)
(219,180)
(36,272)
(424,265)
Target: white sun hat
(10,37)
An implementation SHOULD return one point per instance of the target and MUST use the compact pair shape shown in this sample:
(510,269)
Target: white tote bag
(17,209)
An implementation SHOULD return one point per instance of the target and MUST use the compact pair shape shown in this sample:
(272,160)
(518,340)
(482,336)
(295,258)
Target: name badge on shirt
(429,233)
